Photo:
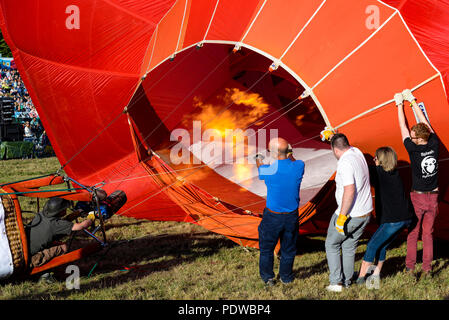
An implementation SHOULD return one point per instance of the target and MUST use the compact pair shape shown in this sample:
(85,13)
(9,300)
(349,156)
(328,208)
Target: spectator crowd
(24,110)
(25,114)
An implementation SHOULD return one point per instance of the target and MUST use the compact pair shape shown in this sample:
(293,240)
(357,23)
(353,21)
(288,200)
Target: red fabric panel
(232,18)
(37,183)
(145,201)
(168,33)
(104,30)
(168,90)
(198,22)
(382,74)
(330,37)
(79,103)
(429,23)
(81,79)
(151,11)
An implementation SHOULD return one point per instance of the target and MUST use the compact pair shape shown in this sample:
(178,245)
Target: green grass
(169,260)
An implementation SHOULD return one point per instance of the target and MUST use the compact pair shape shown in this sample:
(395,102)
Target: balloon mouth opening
(209,102)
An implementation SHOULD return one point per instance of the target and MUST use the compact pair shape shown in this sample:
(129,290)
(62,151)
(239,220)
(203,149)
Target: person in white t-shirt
(355,204)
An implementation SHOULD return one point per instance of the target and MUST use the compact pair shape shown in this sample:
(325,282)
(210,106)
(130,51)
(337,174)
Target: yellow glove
(339,225)
(91,216)
(327,134)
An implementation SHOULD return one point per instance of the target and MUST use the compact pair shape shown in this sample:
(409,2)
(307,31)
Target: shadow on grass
(131,260)
(392,266)
(137,259)
(110,226)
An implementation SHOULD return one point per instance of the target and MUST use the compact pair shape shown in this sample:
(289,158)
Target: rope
(136,99)
(302,30)
(170,185)
(157,174)
(102,257)
(210,21)
(213,118)
(215,215)
(42,191)
(197,168)
(152,50)
(306,140)
(132,101)
(205,165)
(30,179)
(277,118)
(252,22)
(182,24)
(385,103)
(355,50)
(170,114)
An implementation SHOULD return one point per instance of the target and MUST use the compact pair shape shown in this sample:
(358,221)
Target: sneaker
(334,288)
(47,278)
(286,282)
(425,275)
(409,271)
(269,283)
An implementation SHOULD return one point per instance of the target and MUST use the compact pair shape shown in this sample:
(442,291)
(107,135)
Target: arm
(348,199)
(405,133)
(259,160)
(408,95)
(82,225)
(290,153)
(291,157)
(420,114)
(346,205)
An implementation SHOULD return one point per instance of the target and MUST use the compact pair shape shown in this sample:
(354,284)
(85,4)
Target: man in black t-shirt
(423,148)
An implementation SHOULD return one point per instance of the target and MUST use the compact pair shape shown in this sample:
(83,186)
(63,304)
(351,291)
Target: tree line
(4,49)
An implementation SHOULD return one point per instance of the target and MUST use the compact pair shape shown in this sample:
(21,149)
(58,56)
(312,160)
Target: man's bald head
(278,146)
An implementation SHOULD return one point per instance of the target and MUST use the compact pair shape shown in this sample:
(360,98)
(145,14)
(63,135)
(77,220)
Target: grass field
(172,261)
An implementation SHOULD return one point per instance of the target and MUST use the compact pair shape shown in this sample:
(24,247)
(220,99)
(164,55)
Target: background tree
(4,49)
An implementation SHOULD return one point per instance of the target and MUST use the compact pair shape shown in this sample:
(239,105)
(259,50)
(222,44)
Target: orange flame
(242,172)
(237,110)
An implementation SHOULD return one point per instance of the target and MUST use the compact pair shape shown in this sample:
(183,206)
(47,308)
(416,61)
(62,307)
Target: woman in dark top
(392,210)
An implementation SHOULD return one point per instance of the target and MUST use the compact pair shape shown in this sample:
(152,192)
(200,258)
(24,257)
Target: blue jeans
(272,228)
(382,238)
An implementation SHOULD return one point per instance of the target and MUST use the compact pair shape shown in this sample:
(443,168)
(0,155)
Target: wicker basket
(13,233)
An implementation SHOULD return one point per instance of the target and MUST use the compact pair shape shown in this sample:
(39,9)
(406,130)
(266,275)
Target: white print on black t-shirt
(429,167)
(423,154)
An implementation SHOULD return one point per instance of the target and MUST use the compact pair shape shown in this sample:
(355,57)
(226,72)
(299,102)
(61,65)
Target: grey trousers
(340,249)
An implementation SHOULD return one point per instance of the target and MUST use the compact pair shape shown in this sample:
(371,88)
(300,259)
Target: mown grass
(173,261)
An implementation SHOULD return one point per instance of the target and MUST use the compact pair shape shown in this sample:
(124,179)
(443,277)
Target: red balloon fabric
(116,83)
